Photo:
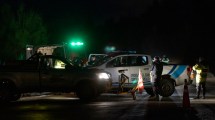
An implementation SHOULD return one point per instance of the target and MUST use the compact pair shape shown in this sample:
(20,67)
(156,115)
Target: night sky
(177,28)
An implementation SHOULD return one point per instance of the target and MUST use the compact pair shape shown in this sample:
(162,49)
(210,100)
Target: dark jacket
(157,68)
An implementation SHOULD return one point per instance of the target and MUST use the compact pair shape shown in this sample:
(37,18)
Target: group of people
(200,69)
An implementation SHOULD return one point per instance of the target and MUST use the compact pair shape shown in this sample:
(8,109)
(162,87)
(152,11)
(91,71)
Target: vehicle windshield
(55,62)
(102,60)
(108,57)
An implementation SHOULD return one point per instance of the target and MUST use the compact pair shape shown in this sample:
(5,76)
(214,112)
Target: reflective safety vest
(201,72)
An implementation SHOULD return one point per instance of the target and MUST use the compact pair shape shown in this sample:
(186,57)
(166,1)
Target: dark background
(180,29)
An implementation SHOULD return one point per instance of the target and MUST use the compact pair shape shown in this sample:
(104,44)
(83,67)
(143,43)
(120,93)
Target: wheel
(166,87)
(15,96)
(149,91)
(86,91)
(7,92)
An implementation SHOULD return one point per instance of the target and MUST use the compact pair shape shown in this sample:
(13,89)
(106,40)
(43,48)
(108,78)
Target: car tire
(166,87)
(7,93)
(15,96)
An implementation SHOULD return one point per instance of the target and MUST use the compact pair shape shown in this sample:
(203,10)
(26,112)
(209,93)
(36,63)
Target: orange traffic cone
(140,85)
(186,98)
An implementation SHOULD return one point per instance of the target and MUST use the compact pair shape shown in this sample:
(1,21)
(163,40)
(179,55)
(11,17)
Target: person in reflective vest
(201,69)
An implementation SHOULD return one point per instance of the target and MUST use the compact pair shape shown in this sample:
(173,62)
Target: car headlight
(103,76)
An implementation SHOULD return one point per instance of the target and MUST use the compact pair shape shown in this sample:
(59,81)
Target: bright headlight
(103,76)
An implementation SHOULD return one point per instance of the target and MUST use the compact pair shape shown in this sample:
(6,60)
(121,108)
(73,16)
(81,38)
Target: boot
(197,95)
(203,97)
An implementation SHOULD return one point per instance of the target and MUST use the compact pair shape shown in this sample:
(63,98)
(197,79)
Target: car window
(137,60)
(124,61)
(97,59)
(53,63)
(114,63)
(141,60)
(118,62)
(58,64)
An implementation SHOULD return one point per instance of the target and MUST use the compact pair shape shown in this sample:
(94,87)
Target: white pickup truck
(173,74)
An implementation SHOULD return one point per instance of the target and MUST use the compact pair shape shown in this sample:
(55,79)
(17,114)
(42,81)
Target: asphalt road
(112,107)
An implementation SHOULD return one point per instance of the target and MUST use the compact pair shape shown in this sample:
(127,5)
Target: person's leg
(198,89)
(153,89)
(133,93)
(203,89)
(156,90)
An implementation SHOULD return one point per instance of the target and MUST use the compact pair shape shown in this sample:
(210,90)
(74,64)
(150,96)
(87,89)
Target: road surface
(112,107)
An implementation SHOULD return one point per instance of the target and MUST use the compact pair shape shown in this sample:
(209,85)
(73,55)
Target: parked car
(48,73)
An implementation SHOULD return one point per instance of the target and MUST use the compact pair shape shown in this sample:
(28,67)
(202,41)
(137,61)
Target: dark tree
(19,27)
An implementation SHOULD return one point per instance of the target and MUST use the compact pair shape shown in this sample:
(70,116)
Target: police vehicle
(130,63)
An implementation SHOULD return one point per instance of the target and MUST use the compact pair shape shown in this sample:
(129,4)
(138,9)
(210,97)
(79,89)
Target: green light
(134,81)
(80,43)
(76,43)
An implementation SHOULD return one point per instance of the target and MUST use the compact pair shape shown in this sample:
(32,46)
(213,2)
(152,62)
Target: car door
(139,62)
(54,76)
(116,67)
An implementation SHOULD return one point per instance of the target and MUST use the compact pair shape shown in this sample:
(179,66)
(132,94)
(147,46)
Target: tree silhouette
(19,27)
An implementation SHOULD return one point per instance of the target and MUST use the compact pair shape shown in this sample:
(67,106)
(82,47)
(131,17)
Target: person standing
(92,60)
(155,75)
(201,69)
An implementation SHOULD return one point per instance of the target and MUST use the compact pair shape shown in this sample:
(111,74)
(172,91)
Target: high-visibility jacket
(201,72)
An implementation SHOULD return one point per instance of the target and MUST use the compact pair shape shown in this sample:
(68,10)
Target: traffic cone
(140,85)
(186,98)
